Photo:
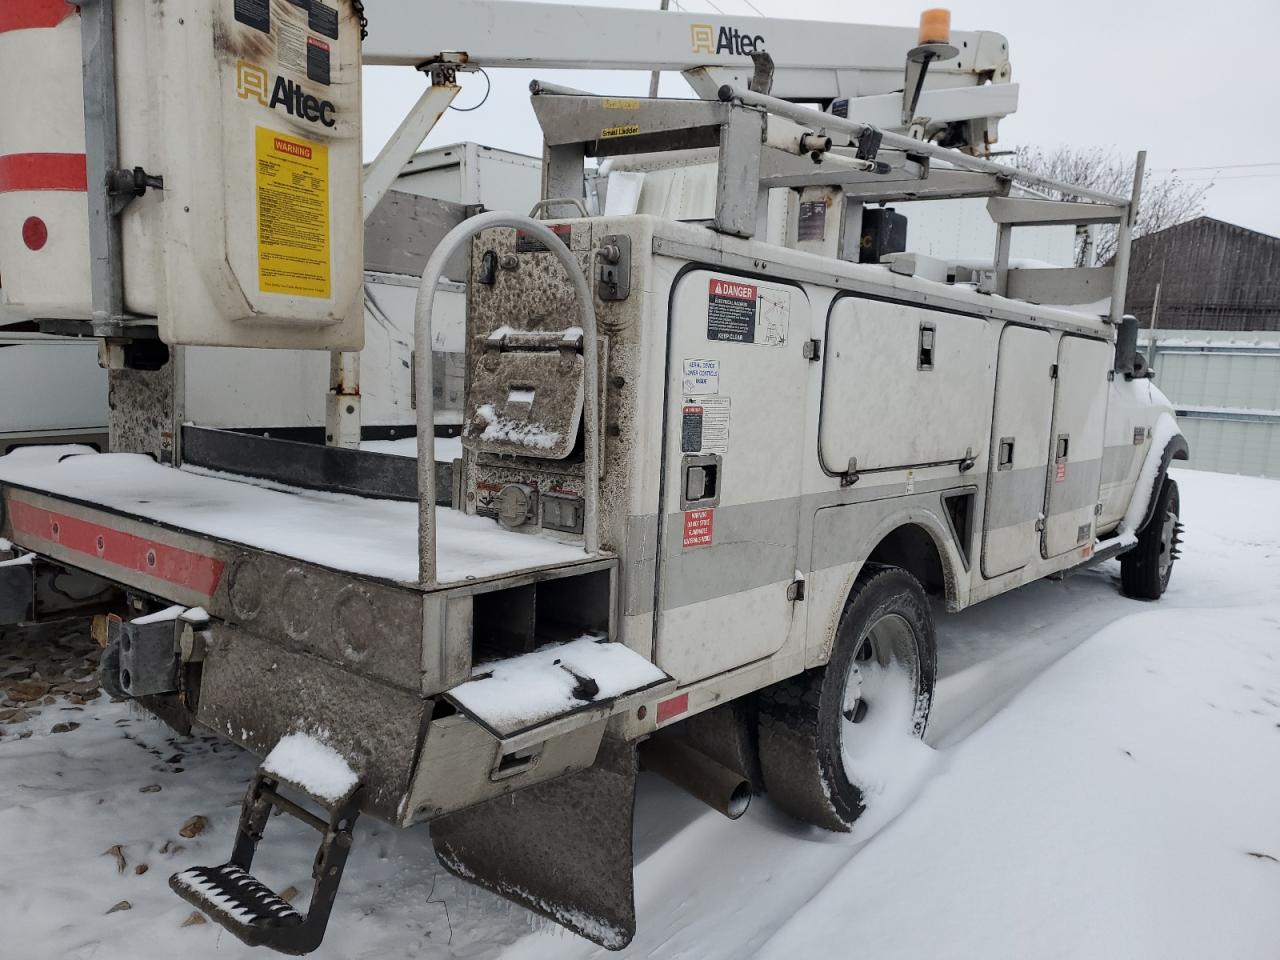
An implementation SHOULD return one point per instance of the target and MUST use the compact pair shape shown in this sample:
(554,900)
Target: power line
(1223,166)
(1243,176)
(758,11)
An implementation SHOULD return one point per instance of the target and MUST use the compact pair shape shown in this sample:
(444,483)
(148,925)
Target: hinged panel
(525,403)
(891,376)
(1020,443)
(1075,467)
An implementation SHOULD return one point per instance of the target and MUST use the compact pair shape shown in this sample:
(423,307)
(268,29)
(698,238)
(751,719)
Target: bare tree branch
(1165,202)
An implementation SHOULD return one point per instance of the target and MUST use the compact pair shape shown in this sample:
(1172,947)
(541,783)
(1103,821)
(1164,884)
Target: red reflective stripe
(171,564)
(673,707)
(32,14)
(42,171)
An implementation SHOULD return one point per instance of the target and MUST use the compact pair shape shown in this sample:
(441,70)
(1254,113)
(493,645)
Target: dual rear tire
(823,731)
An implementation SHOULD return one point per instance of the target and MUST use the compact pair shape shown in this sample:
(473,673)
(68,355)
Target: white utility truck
(715,466)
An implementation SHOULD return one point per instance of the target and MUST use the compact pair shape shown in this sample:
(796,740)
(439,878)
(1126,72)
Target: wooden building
(1212,275)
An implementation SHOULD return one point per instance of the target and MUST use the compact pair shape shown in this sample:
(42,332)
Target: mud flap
(562,849)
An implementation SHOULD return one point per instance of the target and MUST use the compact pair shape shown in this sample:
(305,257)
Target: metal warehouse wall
(1226,390)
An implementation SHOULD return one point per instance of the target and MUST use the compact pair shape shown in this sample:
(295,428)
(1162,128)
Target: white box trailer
(710,483)
(471,173)
(54,391)
(59,393)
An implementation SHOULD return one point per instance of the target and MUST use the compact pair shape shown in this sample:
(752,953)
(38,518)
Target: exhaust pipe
(711,782)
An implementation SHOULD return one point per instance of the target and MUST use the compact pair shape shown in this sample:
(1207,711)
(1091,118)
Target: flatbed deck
(363,536)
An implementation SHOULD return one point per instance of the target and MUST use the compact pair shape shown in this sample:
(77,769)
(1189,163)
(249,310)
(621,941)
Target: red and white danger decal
(1062,473)
(731,311)
(697,528)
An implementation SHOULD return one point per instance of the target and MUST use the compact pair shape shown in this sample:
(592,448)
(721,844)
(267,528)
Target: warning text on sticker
(697,528)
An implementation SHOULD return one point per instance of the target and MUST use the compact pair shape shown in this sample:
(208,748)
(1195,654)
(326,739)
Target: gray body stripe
(1015,496)
(756,544)
(1078,489)
(1118,461)
(752,545)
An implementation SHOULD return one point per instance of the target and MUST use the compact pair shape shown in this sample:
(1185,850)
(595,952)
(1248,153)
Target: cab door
(731,472)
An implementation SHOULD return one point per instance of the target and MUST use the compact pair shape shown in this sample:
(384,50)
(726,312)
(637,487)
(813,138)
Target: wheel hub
(879,703)
(1170,537)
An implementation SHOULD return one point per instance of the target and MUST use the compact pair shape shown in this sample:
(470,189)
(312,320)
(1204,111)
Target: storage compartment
(903,386)
(519,619)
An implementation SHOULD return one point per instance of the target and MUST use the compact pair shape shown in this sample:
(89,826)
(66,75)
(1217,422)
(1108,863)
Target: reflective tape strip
(42,171)
(193,571)
(673,707)
(33,14)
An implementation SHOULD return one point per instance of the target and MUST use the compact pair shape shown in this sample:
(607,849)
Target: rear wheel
(1145,570)
(825,734)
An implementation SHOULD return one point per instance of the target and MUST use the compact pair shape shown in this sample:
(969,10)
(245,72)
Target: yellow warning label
(293,215)
(629,130)
(612,103)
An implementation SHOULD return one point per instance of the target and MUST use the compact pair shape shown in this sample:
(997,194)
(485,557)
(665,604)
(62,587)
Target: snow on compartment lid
(509,696)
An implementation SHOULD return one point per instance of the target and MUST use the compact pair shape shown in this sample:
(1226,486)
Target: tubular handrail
(422,335)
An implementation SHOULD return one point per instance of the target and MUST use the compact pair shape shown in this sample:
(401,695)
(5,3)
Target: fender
(1175,449)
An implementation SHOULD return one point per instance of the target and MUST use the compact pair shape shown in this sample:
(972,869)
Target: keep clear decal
(740,312)
(697,528)
(293,215)
(704,425)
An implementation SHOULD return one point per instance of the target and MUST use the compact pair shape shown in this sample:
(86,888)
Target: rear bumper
(361,663)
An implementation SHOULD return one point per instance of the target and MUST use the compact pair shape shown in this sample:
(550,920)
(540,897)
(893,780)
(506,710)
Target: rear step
(246,906)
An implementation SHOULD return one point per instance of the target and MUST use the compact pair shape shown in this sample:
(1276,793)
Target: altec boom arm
(813,60)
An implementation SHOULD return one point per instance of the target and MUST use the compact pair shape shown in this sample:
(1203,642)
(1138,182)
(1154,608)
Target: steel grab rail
(422,336)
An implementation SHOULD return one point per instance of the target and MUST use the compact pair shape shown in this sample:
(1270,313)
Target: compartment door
(902,386)
(1077,438)
(733,457)
(1019,441)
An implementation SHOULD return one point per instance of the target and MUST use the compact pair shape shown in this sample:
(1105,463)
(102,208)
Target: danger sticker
(697,528)
(731,311)
(691,428)
(704,425)
(1062,473)
(739,312)
(530,244)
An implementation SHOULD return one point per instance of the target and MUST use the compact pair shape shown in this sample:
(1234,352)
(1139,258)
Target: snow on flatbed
(1106,783)
(376,538)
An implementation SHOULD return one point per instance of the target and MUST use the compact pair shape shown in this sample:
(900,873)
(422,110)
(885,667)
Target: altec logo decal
(728,40)
(252,82)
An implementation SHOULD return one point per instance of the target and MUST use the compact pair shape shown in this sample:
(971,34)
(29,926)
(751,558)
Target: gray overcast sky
(1191,83)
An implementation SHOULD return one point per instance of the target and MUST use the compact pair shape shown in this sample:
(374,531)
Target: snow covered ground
(1107,785)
